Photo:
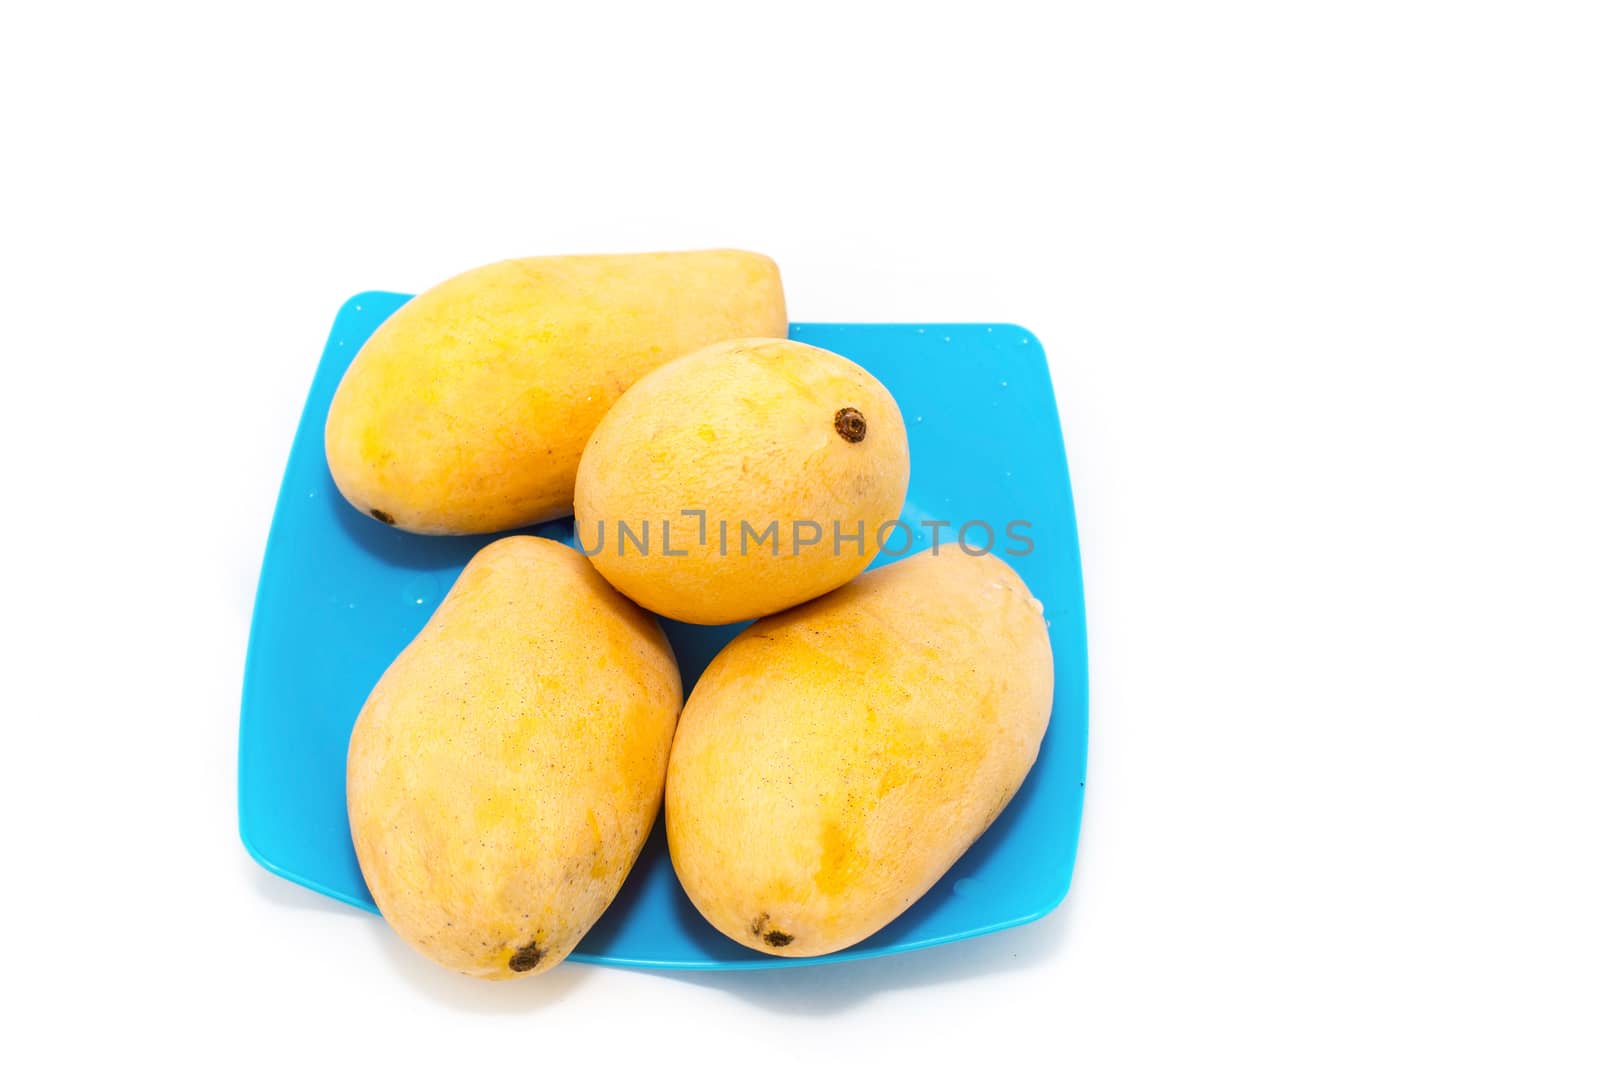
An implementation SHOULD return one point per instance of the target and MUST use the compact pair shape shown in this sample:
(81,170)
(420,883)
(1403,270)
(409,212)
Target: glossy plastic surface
(340,595)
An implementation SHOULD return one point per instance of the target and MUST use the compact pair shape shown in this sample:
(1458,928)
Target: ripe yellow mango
(743,479)
(835,760)
(507,768)
(468,408)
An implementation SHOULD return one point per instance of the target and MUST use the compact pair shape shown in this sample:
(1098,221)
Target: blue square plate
(341,595)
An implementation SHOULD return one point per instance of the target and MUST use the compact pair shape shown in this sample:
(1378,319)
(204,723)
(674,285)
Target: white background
(1321,288)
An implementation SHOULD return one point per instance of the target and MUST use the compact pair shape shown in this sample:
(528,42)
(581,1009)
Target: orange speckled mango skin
(746,432)
(505,771)
(467,410)
(835,760)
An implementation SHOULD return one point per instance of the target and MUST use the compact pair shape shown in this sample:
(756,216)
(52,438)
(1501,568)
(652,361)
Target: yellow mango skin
(505,771)
(467,410)
(746,431)
(835,760)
